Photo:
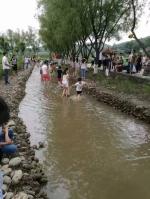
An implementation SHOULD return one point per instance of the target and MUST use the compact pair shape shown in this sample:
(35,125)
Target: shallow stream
(92,151)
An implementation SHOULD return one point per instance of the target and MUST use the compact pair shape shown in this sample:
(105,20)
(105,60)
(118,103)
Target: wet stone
(17,177)
(7,180)
(9,195)
(7,171)
(21,196)
(5,161)
(15,162)
(4,167)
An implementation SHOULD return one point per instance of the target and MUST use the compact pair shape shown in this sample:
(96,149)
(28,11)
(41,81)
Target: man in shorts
(45,73)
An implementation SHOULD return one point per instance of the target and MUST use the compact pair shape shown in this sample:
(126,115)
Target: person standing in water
(59,74)
(45,73)
(65,82)
(83,67)
(77,67)
(79,86)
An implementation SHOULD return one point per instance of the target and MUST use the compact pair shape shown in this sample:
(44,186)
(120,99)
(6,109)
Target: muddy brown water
(92,151)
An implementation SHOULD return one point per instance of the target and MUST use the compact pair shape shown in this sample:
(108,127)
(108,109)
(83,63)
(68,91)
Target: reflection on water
(92,151)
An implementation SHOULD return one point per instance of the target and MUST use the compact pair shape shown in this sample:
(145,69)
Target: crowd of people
(134,63)
(14,65)
(47,72)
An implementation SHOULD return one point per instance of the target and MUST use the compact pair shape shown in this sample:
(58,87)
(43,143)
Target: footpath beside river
(22,172)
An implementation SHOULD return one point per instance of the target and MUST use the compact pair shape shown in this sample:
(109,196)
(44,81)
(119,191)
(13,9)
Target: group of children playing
(47,71)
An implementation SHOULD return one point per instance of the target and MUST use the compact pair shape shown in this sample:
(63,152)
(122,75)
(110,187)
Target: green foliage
(19,41)
(67,25)
(122,85)
(132,45)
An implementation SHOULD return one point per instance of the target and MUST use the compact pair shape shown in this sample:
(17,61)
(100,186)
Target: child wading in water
(79,85)
(59,74)
(65,82)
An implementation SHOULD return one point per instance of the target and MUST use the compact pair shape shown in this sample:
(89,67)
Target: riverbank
(22,173)
(120,93)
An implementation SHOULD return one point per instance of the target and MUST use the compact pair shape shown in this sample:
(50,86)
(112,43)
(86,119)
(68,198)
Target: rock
(4,187)
(41,144)
(21,196)
(26,166)
(23,153)
(36,159)
(26,188)
(5,161)
(30,197)
(4,167)
(25,174)
(44,180)
(9,195)
(15,162)
(37,176)
(29,192)
(11,123)
(17,177)
(7,180)
(7,171)
(12,174)
(35,147)
(22,158)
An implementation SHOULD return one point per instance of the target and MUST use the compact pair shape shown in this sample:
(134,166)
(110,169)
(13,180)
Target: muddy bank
(22,172)
(128,104)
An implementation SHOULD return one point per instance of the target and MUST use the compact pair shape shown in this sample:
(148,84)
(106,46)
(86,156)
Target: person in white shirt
(45,73)
(65,82)
(100,59)
(26,60)
(143,61)
(6,67)
(79,86)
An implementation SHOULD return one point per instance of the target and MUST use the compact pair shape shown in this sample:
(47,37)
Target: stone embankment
(127,104)
(23,174)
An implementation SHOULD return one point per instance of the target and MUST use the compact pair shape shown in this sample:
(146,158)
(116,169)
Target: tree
(137,9)
(22,47)
(68,26)
(9,36)
(4,44)
(32,39)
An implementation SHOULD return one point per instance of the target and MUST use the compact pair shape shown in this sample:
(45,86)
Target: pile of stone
(122,103)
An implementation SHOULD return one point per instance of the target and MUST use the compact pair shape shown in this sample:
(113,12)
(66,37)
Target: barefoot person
(45,73)
(79,86)
(65,82)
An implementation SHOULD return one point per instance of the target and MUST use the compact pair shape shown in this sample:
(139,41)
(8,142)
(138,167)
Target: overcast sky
(20,14)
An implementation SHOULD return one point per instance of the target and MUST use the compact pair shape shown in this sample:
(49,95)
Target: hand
(8,140)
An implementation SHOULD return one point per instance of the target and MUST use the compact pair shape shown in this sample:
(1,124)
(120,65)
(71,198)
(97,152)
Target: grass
(9,58)
(141,90)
